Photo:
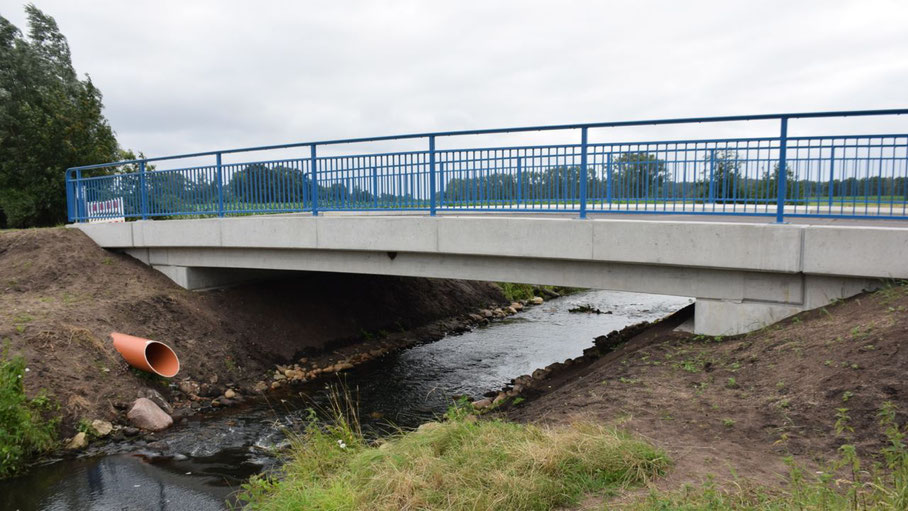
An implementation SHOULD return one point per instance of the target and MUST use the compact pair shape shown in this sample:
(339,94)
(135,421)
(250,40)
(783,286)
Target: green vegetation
(150,378)
(848,483)
(515,292)
(49,120)
(461,463)
(23,430)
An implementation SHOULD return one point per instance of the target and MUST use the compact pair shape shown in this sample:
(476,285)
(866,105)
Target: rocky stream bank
(62,295)
(137,422)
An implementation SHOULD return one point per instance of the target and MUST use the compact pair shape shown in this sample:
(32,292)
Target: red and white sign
(106,211)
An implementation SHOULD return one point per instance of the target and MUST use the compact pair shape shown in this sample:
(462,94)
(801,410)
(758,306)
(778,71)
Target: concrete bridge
(744,273)
(489,211)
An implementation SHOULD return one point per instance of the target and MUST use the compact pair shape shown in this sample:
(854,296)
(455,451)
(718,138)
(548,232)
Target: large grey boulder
(145,414)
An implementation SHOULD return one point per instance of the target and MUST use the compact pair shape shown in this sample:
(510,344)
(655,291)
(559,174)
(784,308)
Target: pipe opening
(162,359)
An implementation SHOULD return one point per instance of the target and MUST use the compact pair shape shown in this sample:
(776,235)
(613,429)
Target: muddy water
(199,464)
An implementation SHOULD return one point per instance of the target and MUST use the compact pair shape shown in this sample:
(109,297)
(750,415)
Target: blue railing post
(432,175)
(608,179)
(144,190)
(313,182)
(831,176)
(783,171)
(220,175)
(712,176)
(583,169)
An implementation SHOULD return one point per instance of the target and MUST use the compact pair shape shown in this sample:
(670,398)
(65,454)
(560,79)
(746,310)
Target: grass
(515,292)
(23,431)
(459,464)
(847,483)
(875,490)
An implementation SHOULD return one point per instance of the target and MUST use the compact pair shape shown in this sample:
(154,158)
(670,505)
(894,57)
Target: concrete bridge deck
(745,273)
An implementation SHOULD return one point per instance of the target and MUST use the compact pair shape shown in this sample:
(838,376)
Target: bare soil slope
(61,295)
(743,403)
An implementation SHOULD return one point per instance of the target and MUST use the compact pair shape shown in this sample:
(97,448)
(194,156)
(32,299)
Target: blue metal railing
(851,176)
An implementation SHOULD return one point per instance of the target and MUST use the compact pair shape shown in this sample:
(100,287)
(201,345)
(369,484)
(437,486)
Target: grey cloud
(192,76)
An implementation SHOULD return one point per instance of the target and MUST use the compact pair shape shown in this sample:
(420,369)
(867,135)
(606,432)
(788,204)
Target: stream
(200,463)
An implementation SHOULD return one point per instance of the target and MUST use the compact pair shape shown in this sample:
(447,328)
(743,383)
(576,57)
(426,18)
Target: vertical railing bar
(519,180)
(584,143)
(831,176)
(79,194)
(220,178)
(712,178)
(905,181)
(313,180)
(892,179)
(374,186)
(432,175)
(442,183)
(143,194)
(879,183)
(734,180)
(783,170)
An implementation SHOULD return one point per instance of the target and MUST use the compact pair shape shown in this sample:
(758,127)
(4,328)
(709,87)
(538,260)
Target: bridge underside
(728,301)
(744,276)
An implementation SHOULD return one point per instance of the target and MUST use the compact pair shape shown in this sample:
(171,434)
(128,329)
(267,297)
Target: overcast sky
(180,76)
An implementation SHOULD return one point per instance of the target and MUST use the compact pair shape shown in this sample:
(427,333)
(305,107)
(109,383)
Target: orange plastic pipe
(147,355)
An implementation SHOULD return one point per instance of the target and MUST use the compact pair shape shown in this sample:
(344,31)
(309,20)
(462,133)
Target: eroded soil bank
(62,296)
(727,406)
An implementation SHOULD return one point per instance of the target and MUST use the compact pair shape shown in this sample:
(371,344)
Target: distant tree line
(256,186)
(642,176)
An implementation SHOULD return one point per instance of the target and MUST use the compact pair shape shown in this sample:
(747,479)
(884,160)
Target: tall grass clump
(23,430)
(515,292)
(849,483)
(460,463)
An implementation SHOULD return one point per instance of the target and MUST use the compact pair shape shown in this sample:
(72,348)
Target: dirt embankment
(740,404)
(62,295)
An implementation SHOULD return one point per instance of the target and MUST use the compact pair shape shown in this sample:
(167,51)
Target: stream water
(199,464)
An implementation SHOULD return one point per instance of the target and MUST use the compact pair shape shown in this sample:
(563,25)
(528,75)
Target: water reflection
(120,482)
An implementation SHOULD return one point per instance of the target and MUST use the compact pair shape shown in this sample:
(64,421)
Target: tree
(262,183)
(638,175)
(724,177)
(793,189)
(49,120)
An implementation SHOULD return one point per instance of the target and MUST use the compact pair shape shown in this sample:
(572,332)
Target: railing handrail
(520,129)
(550,146)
